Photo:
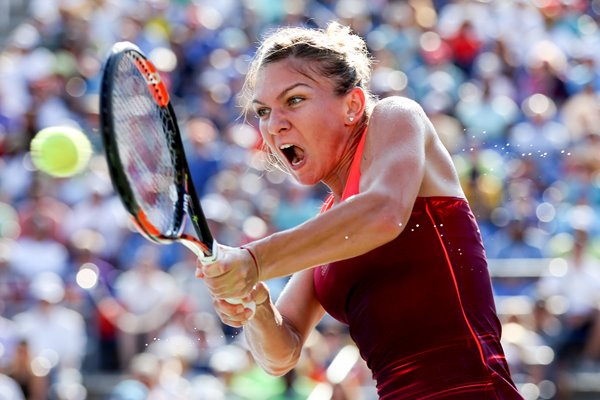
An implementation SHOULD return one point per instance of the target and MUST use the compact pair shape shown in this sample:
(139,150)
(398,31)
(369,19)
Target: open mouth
(294,154)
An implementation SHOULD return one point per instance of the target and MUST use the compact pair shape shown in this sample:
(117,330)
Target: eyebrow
(283,92)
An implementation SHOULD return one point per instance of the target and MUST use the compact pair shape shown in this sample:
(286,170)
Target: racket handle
(250,305)
(206,260)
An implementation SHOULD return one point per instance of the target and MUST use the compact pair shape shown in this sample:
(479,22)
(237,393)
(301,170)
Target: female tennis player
(395,254)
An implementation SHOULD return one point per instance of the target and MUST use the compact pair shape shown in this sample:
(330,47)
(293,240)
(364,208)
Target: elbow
(389,225)
(278,367)
(278,360)
(387,221)
(276,371)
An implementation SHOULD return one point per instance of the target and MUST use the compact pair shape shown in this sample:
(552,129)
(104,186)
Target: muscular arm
(402,159)
(392,170)
(276,335)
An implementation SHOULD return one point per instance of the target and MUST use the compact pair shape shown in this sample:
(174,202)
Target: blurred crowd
(511,86)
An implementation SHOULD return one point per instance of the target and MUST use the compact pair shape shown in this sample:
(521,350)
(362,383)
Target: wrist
(252,254)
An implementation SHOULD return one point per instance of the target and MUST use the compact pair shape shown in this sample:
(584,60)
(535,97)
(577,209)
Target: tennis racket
(145,155)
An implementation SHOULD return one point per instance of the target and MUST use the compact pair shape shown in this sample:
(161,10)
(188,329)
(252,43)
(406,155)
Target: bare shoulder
(404,139)
(400,112)
(400,117)
(398,104)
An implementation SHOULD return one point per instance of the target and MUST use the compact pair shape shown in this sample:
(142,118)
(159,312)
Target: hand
(236,315)
(233,275)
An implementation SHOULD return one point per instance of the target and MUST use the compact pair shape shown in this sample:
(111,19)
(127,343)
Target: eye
(292,101)
(261,112)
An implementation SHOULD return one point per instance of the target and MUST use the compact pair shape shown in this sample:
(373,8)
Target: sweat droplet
(346,237)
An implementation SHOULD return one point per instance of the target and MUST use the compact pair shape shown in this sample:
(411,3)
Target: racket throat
(204,254)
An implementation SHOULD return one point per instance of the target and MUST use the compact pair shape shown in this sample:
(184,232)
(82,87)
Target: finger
(231,286)
(228,308)
(260,293)
(239,319)
(216,287)
(236,311)
(213,270)
(234,324)
(224,287)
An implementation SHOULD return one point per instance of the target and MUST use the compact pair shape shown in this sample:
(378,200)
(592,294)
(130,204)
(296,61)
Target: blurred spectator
(42,204)
(465,46)
(545,75)
(8,339)
(30,374)
(86,246)
(191,338)
(13,285)
(195,293)
(63,342)
(581,113)
(516,245)
(513,242)
(527,350)
(39,252)
(149,296)
(142,379)
(9,389)
(242,378)
(574,294)
(205,156)
(485,116)
(295,206)
(512,87)
(101,213)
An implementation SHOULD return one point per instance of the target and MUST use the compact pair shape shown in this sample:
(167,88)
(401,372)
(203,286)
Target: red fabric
(465,47)
(420,308)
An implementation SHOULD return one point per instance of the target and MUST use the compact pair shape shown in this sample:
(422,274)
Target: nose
(278,123)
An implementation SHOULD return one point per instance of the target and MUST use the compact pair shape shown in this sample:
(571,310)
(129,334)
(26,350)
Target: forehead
(274,78)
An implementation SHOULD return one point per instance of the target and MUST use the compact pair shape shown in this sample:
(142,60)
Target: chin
(304,180)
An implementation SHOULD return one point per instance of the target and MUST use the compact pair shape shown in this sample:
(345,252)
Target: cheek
(266,138)
(269,150)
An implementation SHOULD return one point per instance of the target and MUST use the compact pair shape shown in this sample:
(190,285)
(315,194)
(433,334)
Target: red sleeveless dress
(420,308)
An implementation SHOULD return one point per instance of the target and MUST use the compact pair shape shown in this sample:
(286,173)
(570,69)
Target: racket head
(144,150)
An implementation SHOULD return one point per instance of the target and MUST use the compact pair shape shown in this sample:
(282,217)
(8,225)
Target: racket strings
(143,146)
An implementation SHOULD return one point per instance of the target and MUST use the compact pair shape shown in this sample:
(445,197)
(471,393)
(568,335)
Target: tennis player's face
(302,120)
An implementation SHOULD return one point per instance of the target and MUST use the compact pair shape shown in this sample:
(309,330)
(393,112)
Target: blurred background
(90,310)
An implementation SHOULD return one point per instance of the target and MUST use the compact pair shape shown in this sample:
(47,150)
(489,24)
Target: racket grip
(206,260)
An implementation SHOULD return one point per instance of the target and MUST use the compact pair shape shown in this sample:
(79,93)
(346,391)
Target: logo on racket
(153,79)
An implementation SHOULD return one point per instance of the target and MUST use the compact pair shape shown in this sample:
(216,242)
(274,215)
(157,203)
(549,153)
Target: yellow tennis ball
(60,151)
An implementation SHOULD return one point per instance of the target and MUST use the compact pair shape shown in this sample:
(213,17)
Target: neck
(336,181)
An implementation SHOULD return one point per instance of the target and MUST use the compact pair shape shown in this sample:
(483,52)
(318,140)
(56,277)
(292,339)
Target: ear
(355,106)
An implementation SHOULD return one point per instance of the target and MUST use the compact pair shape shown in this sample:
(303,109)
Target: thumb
(200,268)
(261,293)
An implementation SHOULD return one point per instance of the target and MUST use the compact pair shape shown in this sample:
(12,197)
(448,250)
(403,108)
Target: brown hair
(334,52)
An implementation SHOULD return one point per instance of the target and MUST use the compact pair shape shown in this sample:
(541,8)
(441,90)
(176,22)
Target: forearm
(348,230)
(273,341)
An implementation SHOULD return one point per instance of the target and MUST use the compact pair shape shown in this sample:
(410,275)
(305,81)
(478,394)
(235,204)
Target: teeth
(293,153)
